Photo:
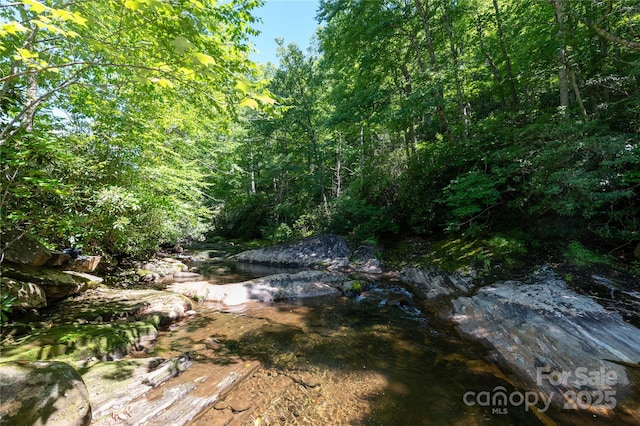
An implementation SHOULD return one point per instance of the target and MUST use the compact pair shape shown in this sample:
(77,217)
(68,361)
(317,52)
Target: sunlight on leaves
(35,6)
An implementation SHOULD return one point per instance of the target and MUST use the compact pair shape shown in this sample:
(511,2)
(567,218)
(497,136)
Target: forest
(130,124)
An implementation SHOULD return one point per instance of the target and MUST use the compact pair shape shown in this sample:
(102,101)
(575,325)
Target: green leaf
(132,4)
(14,28)
(265,99)
(250,103)
(182,45)
(35,6)
(69,16)
(24,54)
(244,85)
(204,59)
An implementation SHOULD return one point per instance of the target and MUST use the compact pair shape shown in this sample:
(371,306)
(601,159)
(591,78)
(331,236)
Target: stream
(370,359)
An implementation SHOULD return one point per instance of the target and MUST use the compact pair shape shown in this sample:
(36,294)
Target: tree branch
(605,34)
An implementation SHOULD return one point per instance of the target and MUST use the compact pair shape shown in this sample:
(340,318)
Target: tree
(108,108)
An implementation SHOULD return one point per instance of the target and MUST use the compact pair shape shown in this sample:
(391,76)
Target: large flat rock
(21,248)
(27,295)
(270,288)
(324,251)
(557,340)
(55,283)
(106,304)
(429,284)
(159,392)
(101,323)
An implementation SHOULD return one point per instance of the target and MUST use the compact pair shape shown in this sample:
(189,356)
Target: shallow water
(374,359)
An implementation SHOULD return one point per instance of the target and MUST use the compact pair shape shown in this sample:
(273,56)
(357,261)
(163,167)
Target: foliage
(243,217)
(471,196)
(353,216)
(6,305)
(484,119)
(109,111)
(477,118)
(280,233)
(484,252)
(579,255)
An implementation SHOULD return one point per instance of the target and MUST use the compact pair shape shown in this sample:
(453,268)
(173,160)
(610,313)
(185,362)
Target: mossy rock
(79,342)
(27,295)
(104,304)
(55,283)
(38,393)
(482,254)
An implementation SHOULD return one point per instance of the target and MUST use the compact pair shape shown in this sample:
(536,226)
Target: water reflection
(232,272)
(373,359)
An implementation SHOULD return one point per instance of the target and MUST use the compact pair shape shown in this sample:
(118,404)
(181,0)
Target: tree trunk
(410,136)
(361,156)
(563,75)
(32,101)
(339,168)
(507,60)
(462,105)
(492,65)
(423,11)
(252,173)
(576,90)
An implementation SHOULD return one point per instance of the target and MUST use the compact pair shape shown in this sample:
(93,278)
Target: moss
(578,255)
(77,342)
(484,253)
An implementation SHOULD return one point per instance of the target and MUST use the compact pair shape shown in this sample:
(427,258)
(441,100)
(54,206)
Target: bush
(353,216)
(579,255)
(243,217)
(470,198)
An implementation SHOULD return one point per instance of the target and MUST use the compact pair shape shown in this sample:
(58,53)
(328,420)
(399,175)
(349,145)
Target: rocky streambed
(341,342)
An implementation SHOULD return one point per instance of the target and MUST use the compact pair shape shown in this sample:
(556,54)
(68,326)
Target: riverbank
(362,273)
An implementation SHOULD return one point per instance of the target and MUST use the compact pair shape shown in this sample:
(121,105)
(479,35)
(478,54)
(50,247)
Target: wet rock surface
(106,304)
(433,283)
(101,323)
(292,364)
(365,260)
(559,341)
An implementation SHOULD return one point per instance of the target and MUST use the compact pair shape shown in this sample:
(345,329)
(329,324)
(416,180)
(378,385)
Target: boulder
(366,261)
(55,283)
(186,276)
(110,304)
(101,323)
(39,393)
(58,258)
(83,263)
(270,288)
(28,295)
(78,342)
(165,267)
(432,283)
(557,340)
(324,251)
(23,249)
